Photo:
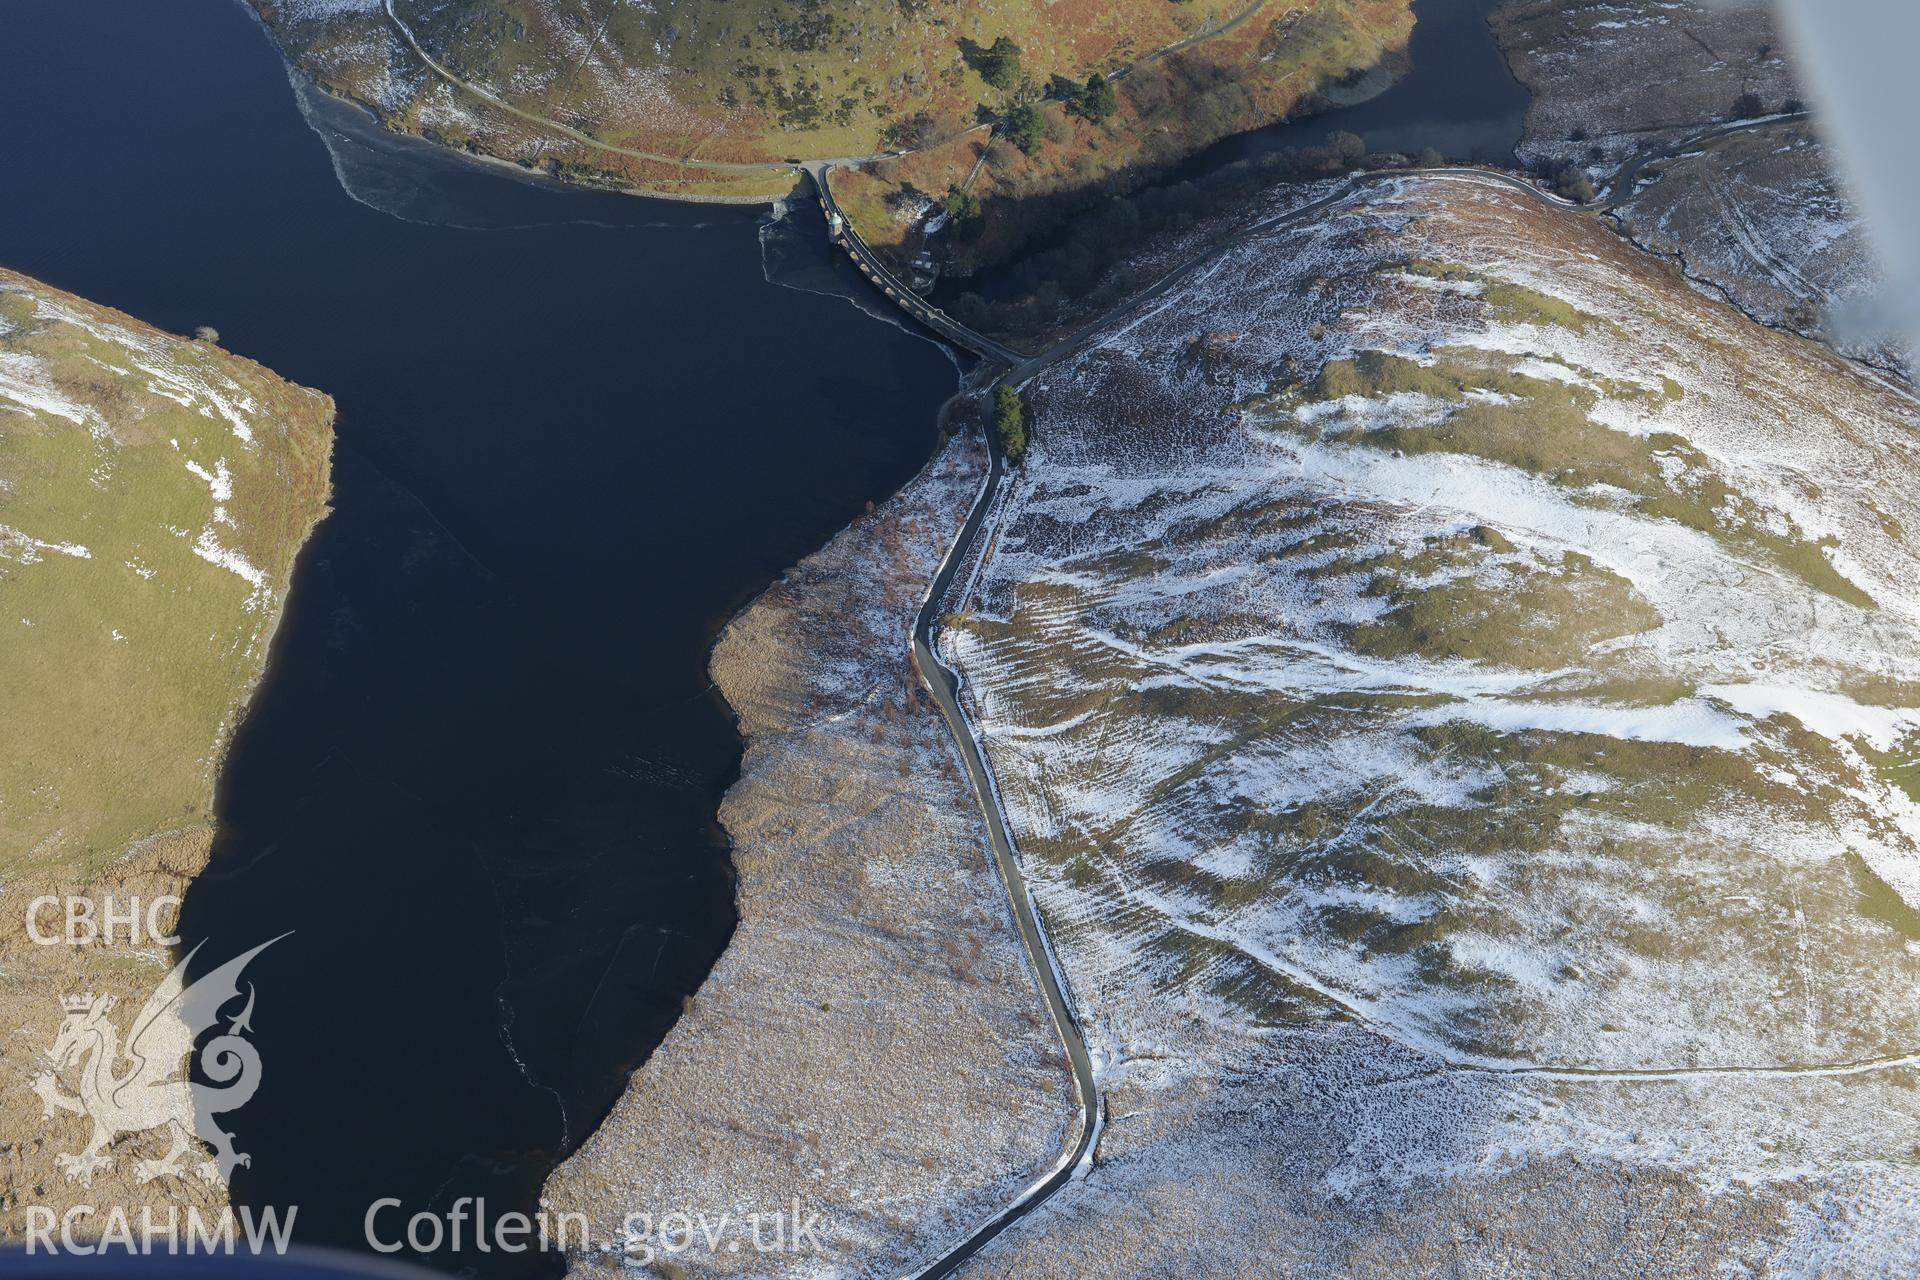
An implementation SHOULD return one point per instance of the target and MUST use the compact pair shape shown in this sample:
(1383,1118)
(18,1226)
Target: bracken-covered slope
(1455,687)
(624,92)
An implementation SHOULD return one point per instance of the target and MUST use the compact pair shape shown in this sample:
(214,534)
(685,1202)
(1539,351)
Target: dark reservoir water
(1456,96)
(576,431)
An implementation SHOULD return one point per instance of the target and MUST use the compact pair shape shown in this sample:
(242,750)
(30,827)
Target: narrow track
(943,683)
(763,166)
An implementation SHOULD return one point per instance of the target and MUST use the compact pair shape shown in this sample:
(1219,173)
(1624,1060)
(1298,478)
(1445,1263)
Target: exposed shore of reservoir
(871,1045)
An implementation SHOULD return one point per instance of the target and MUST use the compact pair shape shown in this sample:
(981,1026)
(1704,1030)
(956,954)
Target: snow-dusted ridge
(1439,644)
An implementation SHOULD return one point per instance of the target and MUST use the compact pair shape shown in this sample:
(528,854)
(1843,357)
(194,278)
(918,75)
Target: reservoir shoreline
(480,774)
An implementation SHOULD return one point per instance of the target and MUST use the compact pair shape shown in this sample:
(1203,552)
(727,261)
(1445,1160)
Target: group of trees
(1095,100)
(1566,178)
(962,206)
(1025,127)
(1010,422)
(1099,101)
(1749,104)
(1192,101)
(1024,123)
(908,132)
(998,63)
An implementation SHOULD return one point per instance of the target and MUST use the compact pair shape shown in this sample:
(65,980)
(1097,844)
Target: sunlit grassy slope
(696,84)
(153,493)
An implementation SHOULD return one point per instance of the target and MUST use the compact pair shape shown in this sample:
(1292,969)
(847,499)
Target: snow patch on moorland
(164,367)
(1549,768)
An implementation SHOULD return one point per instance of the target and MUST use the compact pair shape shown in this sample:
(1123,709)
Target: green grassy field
(154,491)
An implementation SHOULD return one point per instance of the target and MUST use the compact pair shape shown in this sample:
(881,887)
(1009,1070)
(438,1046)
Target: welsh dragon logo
(143,1085)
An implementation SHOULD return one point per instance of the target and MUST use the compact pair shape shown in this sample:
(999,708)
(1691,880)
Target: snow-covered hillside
(1751,207)
(1456,687)
(1760,217)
